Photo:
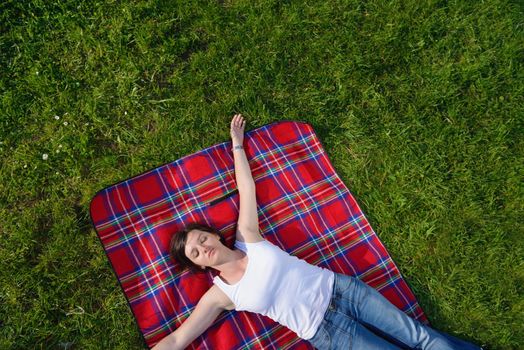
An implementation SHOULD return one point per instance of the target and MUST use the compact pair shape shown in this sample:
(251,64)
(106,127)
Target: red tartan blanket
(303,207)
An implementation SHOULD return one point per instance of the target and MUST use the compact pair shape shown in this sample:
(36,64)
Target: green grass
(419,105)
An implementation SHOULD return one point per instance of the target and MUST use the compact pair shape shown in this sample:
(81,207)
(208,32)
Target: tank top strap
(222,285)
(241,245)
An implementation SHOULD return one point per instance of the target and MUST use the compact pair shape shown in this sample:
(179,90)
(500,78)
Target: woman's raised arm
(247,227)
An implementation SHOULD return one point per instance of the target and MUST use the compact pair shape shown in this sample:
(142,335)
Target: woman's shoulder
(243,245)
(253,241)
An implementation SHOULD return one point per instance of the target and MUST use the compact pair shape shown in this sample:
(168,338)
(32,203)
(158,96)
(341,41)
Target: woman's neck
(233,265)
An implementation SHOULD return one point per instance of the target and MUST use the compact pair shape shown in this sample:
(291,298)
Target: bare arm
(212,303)
(247,227)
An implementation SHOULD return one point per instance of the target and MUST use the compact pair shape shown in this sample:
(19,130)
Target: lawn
(419,105)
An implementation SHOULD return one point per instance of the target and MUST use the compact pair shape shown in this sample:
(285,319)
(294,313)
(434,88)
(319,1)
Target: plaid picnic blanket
(303,207)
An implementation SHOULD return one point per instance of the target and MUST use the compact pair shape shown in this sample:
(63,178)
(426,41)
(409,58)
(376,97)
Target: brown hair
(178,244)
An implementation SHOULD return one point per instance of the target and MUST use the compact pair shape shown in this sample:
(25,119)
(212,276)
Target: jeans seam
(327,335)
(343,314)
(349,335)
(348,300)
(349,285)
(352,302)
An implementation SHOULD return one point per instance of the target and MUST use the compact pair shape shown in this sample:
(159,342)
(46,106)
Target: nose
(205,249)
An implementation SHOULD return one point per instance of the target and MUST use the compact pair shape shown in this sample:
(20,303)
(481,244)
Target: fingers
(238,121)
(234,121)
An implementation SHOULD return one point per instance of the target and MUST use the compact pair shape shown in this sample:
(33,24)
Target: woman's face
(202,248)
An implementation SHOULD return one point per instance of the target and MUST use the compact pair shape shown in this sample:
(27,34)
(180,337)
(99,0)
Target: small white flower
(59,146)
(80,311)
(25,166)
(57,117)
(57,173)
(86,124)
(37,72)
(45,156)
(65,123)
(57,151)
(125,112)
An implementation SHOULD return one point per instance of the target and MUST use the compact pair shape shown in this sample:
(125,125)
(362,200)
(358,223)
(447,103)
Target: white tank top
(283,287)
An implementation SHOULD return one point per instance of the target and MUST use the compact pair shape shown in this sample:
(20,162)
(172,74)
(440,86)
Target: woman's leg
(375,312)
(341,331)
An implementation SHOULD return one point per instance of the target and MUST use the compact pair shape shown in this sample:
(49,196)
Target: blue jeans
(359,317)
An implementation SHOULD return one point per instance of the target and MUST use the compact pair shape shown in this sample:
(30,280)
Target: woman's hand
(237,129)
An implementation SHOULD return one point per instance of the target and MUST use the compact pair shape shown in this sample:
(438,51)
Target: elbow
(247,186)
(168,343)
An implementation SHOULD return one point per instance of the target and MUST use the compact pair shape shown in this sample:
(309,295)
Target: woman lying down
(335,312)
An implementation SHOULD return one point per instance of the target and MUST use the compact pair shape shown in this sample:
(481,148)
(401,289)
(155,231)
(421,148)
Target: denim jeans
(359,317)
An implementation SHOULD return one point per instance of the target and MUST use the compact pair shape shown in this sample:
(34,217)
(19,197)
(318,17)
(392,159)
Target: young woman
(330,310)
